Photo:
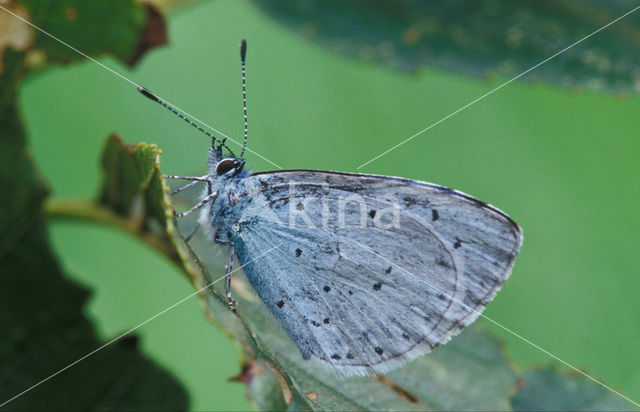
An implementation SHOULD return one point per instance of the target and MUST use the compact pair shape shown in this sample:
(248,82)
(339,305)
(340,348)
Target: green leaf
(478,37)
(125,29)
(550,389)
(134,191)
(264,387)
(44,329)
(41,313)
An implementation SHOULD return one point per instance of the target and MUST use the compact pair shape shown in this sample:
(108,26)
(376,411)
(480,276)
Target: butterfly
(365,272)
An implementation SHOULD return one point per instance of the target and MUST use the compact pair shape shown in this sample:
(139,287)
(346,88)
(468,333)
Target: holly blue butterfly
(366,271)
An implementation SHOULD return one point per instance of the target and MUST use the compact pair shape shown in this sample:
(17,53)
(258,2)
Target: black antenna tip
(243,49)
(147,93)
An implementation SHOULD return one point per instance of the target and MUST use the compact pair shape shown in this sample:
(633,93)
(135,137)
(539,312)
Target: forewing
(370,270)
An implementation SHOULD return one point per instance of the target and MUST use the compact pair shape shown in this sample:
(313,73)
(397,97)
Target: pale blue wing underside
(363,299)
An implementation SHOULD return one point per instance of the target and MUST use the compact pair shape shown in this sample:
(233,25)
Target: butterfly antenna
(243,57)
(156,99)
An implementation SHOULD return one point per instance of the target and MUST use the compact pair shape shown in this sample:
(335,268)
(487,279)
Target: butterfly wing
(370,270)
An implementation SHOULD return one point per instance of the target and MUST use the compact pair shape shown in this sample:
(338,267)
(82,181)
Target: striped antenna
(243,57)
(156,99)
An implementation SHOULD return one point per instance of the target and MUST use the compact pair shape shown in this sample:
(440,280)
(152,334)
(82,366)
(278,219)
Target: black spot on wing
(457,244)
(298,252)
(434,215)
(280,304)
(326,321)
(314,323)
(379,350)
(326,288)
(443,262)
(350,355)
(377,286)
(335,356)
(372,214)
(388,270)
(409,201)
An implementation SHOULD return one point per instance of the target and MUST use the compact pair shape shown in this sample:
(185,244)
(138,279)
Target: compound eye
(225,165)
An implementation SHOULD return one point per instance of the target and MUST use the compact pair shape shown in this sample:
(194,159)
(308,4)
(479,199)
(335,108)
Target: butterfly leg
(188,185)
(229,267)
(194,178)
(190,235)
(210,197)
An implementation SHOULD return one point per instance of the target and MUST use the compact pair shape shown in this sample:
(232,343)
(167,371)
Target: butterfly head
(224,166)
(229,166)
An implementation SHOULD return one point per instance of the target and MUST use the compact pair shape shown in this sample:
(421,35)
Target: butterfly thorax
(218,216)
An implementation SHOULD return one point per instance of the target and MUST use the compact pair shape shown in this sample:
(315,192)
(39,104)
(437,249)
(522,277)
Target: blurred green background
(563,164)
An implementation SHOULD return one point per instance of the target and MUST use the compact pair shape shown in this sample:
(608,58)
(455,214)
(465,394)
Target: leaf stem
(90,211)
